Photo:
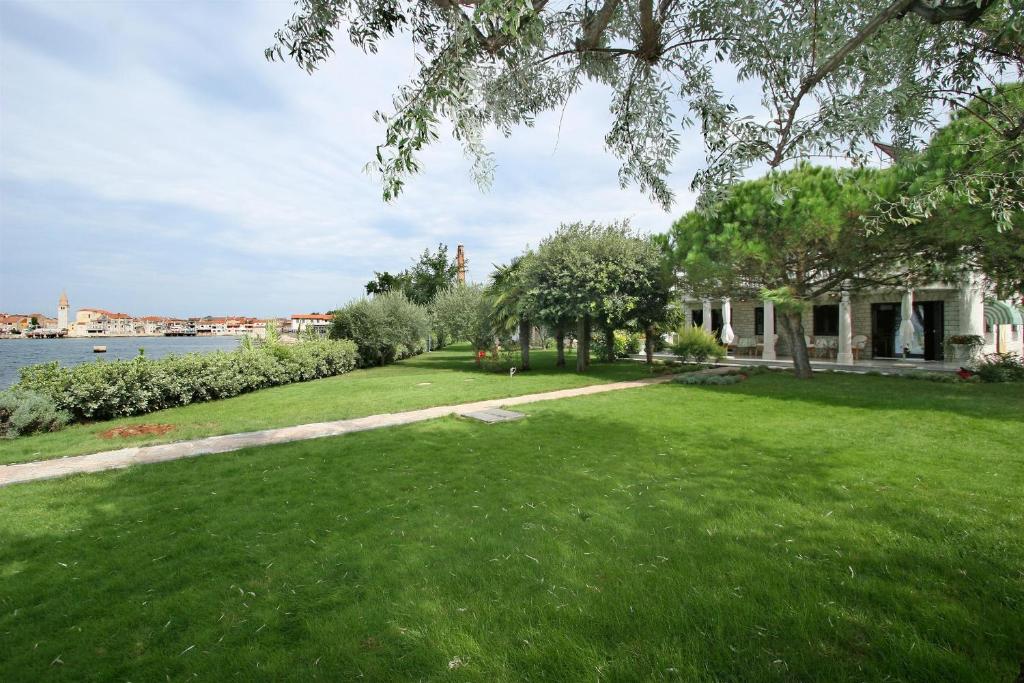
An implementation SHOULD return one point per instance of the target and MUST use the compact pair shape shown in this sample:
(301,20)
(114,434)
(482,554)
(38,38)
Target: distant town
(98,322)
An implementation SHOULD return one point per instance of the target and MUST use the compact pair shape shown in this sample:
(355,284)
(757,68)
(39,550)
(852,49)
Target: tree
(430,274)
(655,311)
(634,287)
(832,73)
(386,282)
(587,274)
(512,308)
(792,237)
(463,312)
(961,201)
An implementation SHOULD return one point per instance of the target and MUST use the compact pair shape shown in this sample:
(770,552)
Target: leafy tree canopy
(961,201)
(799,230)
(386,282)
(463,313)
(429,274)
(791,236)
(832,73)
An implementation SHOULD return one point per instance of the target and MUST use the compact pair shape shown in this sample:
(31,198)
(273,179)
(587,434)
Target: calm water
(17,353)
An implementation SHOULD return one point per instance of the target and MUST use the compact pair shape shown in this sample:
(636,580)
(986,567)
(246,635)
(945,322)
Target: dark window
(759,320)
(698,317)
(826,320)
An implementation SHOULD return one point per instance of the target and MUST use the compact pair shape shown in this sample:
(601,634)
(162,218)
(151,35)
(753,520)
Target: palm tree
(508,292)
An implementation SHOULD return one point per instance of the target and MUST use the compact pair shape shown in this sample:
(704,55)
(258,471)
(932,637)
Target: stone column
(972,306)
(706,323)
(687,315)
(768,352)
(844,354)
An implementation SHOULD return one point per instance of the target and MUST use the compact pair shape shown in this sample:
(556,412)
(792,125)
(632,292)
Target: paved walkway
(140,455)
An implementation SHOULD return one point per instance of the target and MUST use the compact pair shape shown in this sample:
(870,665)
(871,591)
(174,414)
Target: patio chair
(809,340)
(827,347)
(859,343)
(745,346)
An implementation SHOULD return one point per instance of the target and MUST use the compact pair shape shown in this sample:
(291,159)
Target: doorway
(716,319)
(884,323)
(931,315)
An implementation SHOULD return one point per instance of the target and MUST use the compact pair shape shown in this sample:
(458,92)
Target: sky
(153,162)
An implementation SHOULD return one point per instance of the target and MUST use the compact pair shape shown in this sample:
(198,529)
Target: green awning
(1002,313)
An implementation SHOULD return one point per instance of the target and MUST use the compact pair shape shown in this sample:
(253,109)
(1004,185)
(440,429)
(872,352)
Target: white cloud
(259,166)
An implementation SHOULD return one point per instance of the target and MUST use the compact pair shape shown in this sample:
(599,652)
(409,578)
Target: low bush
(698,379)
(930,376)
(386,328)
(697,345)
(999,367)
(628,343)
(103,390)
(501,360)
(25,412)
(674,367)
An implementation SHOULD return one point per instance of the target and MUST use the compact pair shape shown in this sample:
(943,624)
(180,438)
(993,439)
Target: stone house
(851,326)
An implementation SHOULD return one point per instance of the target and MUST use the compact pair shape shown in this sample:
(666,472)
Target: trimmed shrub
(1000,367)
(24,412)
(386,328)
(710,380)
(697,345)
(931,376)
(103,390)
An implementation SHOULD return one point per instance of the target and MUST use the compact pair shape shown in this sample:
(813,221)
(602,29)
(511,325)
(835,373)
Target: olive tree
(456,312)
(832,74)
(587,275)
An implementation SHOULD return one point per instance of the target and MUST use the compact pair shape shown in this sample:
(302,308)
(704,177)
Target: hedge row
(104,390)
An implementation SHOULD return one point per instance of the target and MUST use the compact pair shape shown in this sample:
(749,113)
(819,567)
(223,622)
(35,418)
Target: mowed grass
(842,529)
(438,378)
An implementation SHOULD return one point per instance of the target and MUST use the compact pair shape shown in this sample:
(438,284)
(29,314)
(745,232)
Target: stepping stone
(495,415)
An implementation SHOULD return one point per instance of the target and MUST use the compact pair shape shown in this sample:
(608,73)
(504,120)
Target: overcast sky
(152,162)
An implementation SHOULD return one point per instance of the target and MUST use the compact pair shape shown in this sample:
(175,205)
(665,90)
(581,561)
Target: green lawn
(843,529)
(438,378)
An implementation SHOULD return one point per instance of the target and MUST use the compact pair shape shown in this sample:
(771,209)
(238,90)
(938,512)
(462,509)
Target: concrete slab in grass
(492,415)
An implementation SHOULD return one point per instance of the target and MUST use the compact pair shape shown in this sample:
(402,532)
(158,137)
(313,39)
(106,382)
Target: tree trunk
(525,332)
(649,344)
(793,327)
(583,345)
(609,341)
(560,345)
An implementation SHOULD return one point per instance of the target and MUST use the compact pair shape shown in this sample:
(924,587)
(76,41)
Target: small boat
(99,349)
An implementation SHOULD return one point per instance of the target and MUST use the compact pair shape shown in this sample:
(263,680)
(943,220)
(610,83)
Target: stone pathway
(140,455)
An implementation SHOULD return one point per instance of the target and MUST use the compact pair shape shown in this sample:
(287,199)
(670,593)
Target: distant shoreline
(118,336)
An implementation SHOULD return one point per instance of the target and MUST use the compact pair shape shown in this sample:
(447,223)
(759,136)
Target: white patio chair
(745,346)
(858,344)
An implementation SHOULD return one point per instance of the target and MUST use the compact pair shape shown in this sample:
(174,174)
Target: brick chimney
(460,260)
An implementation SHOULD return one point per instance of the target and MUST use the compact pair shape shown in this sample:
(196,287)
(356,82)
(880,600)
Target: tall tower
(62,311)
(460,260)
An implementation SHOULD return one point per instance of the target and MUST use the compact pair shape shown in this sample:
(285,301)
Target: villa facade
(848,327)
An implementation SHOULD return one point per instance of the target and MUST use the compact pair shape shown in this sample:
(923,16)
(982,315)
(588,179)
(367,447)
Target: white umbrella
(906,322)
(727,334)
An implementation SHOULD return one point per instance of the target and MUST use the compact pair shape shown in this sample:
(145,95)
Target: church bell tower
(62,311)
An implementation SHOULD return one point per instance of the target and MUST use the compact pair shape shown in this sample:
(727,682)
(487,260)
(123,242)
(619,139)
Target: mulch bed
(136,430)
